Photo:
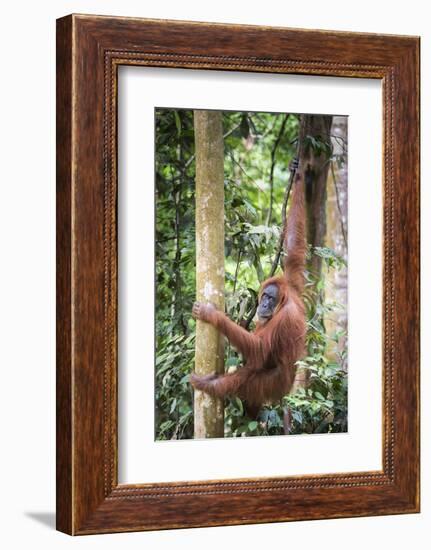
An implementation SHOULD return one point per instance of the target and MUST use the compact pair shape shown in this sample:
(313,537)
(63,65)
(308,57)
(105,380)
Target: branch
(283,224)
(271,173)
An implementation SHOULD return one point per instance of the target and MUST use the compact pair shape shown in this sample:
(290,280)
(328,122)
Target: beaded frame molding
(89,51)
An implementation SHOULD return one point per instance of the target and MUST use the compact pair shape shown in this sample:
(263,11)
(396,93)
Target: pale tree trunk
(315,165)
(209,353)
(338,232)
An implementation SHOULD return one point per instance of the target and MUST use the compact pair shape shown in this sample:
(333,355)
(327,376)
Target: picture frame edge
(88,500)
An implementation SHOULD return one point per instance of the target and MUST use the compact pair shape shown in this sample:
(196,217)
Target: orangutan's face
(268,302)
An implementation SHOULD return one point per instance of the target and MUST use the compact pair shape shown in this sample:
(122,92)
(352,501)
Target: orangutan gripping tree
(271,351)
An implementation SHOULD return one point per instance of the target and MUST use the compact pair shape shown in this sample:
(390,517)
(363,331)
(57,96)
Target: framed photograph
(237,274)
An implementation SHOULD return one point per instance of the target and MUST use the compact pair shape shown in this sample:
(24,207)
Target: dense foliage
(258,150)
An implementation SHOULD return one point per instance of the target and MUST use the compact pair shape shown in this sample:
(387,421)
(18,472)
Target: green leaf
(239,405)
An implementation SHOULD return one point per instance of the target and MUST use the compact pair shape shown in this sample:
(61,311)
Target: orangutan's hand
(203,312)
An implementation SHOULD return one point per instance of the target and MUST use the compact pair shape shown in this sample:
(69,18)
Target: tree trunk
(315,163)
(314,156)
(337,236)
(209,353)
